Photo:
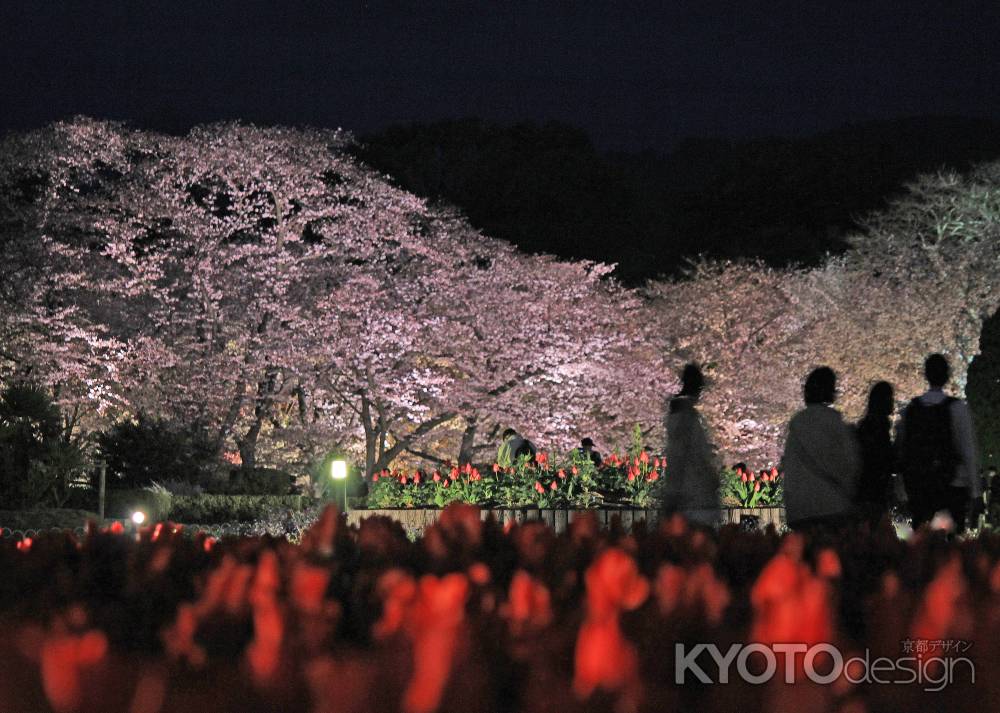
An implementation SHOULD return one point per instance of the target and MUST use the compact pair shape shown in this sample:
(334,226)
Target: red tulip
(828,564)
(528,603)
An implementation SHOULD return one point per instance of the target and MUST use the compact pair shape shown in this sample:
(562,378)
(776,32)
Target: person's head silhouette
(881,400)
(937,371)
(692,381)
(820,386)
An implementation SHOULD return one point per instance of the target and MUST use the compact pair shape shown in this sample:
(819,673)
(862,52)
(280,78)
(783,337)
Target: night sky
(632,74)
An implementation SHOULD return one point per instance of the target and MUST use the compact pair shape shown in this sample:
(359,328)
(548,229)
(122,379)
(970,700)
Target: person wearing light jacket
(692,481)
(822,458)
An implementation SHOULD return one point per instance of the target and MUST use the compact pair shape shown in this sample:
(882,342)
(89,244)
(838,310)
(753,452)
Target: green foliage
(153,449)
(983,391)
(37,462)
(636,446)
(202,509)
(747,489)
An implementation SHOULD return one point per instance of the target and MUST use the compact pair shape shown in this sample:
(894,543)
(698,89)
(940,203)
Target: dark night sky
(633,74)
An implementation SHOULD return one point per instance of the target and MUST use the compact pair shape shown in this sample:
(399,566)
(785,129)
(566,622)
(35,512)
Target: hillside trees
(984,391)
(922,278)
(940,242)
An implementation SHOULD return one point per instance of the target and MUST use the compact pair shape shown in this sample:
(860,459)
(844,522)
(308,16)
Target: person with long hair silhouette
(874,433)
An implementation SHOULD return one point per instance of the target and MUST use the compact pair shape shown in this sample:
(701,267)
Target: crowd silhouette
(836,472)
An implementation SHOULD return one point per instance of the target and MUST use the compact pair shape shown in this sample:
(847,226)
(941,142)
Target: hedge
(55,518)
(202,509)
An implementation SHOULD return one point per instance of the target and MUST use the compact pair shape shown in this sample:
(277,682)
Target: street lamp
(338,471)
(138,517)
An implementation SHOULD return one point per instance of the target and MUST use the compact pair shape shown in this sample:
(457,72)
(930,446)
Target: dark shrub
(212,509)
(202,509)
(52,518)
(122,503)
(151,449)
(260,481)
(37,461)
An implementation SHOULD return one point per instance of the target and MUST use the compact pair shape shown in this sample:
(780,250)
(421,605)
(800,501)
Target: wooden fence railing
(414,520)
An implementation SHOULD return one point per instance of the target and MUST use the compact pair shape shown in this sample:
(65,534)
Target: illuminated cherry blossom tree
(261,281)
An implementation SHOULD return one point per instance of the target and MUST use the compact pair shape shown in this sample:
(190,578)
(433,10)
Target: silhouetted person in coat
(821,459)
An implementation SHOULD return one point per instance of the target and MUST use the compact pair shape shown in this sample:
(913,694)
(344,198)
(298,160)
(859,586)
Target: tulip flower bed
(477,617)
(634,481)
(750,490)
(574,482)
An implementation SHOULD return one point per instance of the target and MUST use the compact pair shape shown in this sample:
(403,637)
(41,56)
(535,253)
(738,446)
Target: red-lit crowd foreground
(477,617)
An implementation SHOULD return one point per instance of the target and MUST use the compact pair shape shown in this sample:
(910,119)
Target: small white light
(138,517)
(338,469)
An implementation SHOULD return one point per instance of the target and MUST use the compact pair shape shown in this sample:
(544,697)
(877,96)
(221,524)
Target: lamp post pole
(102,469)
(338,471)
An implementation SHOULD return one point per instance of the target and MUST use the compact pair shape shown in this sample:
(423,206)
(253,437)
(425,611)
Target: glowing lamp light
(338,470)
(138,517)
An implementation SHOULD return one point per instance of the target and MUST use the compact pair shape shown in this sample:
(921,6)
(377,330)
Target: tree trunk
(386,458)
(466,453)
(248,447)
(371,438)
(262,409)
(231,415)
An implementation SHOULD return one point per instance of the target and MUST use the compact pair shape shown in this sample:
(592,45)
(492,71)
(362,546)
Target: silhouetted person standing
(877,456)
(937,450)
(586,450)
(692,481)
(822,460)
